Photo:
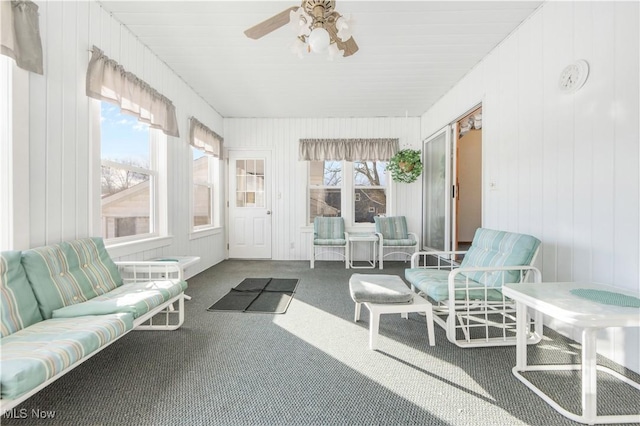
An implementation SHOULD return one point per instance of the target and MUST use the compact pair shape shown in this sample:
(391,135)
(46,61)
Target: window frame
(157,184)
(356,197)
(347,195)
(213,184)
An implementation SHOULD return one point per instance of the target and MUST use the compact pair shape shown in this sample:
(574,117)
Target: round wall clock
(574,76)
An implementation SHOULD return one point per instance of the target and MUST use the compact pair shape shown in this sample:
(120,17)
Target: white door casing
(249,204)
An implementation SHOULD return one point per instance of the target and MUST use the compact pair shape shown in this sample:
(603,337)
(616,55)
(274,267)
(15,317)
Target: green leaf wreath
(405,166)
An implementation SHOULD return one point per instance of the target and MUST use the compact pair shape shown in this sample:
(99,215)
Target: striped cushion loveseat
(467,298)
(61,304)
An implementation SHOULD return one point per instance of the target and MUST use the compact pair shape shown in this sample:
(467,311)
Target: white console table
(557,301)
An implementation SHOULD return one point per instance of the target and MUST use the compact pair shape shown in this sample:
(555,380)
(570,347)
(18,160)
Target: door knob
(268,211)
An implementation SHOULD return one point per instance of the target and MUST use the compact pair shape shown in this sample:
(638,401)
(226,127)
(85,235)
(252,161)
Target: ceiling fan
(316,22)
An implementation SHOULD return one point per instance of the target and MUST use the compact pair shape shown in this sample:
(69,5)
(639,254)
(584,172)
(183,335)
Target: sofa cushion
(328,228)
(18,305)
(135,298)
(70,272)
(435,284)
(499,248)
(378,288)
(399,243)
(35,354)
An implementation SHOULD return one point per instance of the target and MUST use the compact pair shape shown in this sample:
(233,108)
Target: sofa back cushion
(18,305)
(70,272)
(499,248)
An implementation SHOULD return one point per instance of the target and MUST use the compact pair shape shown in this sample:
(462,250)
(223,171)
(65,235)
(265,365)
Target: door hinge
(453,191)
(227,246)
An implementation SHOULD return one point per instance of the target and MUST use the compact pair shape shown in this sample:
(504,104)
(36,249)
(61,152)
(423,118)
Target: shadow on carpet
(258,295)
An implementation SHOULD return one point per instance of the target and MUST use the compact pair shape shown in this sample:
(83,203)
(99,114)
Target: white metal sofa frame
(131,272)
(469,314)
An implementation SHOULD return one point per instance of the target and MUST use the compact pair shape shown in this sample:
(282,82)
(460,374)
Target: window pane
(126,203)
(370,173)
(201,205)
(369,203)
(370,198)
(325,173)
(123,138)
(200,166)
(324,202)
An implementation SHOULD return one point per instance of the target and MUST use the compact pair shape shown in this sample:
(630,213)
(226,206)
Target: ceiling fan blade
(271,24)
(349,47)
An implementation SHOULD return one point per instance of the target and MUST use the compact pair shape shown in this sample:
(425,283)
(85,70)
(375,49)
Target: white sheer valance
(203,138)
(109,81)
(20,34)
(347,149)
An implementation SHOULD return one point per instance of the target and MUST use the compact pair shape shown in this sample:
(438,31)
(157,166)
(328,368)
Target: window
(325,193)
(369,190)
(128,176)
(205,169)
(364,196)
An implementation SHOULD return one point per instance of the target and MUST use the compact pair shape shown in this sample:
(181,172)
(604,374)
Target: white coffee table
(556,300)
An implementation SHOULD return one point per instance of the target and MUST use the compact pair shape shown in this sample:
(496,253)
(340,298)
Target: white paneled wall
(64,157)
(566,166)
(281,137)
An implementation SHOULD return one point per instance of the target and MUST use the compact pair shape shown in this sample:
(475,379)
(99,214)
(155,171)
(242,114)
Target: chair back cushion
(499,248)
(392,228)
(328,228)
(18,305)
(70,272)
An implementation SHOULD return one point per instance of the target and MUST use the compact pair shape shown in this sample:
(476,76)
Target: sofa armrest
(138,271)
(419,259)
(525,272)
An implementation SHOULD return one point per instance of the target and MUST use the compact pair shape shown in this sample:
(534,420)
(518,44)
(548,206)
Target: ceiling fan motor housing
(320,10)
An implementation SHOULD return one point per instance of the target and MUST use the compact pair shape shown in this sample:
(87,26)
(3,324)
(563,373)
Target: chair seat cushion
(37,353)
(404,242)
(379,289)
(329,242)
(435,284)
(136,299)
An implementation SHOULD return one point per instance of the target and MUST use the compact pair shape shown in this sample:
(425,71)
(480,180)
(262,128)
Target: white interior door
(249,205)
(437,189)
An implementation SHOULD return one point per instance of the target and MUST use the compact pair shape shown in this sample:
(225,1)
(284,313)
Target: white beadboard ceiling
(411,53)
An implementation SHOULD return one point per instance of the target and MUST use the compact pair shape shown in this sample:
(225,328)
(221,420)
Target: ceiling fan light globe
(299,22)
(299,48)
(344,25)
(333,51)
(319,40)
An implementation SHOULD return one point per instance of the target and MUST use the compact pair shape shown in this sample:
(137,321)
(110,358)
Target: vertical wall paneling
(290,175)
(566,164)
(64,153)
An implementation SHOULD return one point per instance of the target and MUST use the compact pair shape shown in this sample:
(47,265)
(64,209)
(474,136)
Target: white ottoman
(387,294)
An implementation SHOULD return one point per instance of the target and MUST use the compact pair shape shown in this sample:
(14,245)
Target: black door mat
(258,295)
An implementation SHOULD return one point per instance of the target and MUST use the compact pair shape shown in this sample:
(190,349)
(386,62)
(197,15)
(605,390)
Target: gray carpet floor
(311,365)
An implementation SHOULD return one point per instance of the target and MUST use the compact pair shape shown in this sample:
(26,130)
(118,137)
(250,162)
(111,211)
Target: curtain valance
(347,149)
(20,34)
(109,81)
(203,138)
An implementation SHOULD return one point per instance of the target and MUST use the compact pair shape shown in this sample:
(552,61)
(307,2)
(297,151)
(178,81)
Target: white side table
(556,300)
(366,237)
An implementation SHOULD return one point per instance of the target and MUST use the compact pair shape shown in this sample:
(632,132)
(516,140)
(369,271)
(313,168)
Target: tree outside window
(369,186)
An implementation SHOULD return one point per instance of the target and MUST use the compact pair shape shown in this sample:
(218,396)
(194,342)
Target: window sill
(133,247)
(202,233)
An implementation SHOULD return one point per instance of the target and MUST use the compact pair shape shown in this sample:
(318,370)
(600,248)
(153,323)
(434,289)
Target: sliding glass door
(437,186)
